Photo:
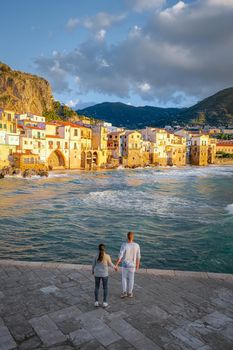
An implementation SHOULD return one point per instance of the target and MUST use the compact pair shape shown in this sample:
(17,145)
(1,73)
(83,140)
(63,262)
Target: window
(66,145)
(9,117)
(38,134)
(25,142)
(50,144)
(39,144)
(0,126)
(110,136)
(75,145)
(4,126)
(58,144)
(75,132)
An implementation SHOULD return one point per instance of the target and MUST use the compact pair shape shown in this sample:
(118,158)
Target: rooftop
(50,306)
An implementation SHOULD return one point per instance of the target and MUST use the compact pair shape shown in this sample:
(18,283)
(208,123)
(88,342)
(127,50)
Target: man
(130,257)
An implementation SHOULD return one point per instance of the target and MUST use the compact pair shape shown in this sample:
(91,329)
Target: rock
(35,172)
(22,92)
(43,172)
(10,170)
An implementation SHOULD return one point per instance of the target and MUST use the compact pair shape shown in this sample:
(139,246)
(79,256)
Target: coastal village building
(132,151)
(115,147)
(9,137)
(224,146)
(199,149)
(28,141)
(166,147)
(100,144)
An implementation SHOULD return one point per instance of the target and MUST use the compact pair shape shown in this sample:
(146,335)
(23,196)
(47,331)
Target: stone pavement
(50,306)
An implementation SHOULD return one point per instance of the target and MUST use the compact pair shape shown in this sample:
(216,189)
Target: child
(100,271)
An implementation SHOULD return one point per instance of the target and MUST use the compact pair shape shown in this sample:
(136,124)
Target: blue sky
(141,52)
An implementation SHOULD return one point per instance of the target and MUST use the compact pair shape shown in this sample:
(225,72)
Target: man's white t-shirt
(129,253)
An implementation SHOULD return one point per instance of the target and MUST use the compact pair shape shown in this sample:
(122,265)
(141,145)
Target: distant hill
(121,114)
(214,110)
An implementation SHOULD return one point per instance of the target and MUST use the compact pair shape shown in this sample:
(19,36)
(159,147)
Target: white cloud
(144,87)
(174,10)
(101,20)
(72,103)
(142,5)
(101,34)
(135,31)
(72,23)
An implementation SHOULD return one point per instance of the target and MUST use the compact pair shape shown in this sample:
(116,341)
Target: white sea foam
(229,208)
(137,202)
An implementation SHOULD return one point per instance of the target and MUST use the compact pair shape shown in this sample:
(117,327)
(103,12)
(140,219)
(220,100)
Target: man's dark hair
(130,235)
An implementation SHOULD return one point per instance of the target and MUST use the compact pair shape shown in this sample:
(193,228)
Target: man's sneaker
(123,295)
(105,304)
(97,304)
(130,295)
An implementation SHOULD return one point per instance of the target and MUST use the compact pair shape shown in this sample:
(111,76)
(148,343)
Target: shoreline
(99,170)
(83,267)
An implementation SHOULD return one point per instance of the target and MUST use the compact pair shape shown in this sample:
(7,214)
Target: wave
(229,208)
(143,203)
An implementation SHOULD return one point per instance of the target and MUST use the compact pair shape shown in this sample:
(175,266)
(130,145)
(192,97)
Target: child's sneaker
(123,295)
(105,304)
(130,295)
(97,304)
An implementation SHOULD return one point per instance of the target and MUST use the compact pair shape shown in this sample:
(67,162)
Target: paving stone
(49,289)
(80,336)
(187,338)
(30,344)
(217,320)
(92,345)
(6,340)
(20,328)
(132,335)
(1,322)
(66,313)
(47,330)
(1,295)
(61,347)
(121,344)
(104,334)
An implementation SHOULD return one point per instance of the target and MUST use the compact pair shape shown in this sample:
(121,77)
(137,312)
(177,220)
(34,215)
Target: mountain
(120,114)
(214,110)
(22,92)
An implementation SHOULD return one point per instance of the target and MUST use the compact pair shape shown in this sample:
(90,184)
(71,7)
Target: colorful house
(9,137)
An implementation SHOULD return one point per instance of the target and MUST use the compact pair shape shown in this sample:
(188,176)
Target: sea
(182,217)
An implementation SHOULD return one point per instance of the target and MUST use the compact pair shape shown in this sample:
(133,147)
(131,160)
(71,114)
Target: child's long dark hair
(101,252)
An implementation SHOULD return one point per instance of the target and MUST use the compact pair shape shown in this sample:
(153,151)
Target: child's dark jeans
(105,287)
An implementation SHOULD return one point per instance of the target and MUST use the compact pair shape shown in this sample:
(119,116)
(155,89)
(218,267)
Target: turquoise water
(182,218)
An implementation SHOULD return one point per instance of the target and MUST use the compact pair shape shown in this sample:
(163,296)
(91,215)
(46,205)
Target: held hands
(116,268)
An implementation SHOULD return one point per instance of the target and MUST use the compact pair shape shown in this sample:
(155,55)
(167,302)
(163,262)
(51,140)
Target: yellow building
(27,160)
(224,146)
(159,138)
(199,149)
(9,137)
(176,150)
(212,151)
(100,144)
(57,149)
(132,151)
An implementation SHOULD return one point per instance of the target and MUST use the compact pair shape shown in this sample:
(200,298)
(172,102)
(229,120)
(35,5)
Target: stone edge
(154,272)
